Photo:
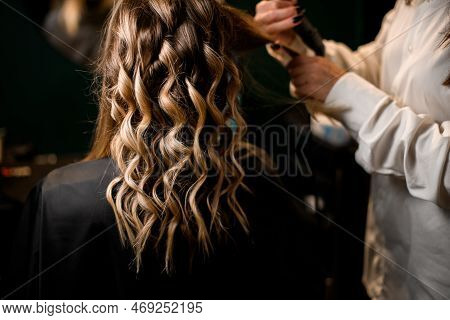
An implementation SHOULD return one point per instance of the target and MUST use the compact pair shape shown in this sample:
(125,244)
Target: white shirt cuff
(357,99)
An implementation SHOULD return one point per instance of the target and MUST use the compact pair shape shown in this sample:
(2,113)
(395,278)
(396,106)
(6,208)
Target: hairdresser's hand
(313,77)
(277,18)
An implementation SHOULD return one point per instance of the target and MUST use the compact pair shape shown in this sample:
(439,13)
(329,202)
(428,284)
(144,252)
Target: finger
(273,16)
(284,25)
(301,80)
(301,60)
(305,92)
(310,69)
(264,6)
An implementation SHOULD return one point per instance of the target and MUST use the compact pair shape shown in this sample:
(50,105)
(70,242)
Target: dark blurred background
(47,113)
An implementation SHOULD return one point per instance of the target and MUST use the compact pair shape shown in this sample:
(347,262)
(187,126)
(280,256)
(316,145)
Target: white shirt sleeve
(394,140)
(366,60)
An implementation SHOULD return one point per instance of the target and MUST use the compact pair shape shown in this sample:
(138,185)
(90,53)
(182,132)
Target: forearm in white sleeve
(364,62)
(395,140)
(367,59)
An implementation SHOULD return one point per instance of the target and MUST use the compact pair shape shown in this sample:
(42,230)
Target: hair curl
(169,87)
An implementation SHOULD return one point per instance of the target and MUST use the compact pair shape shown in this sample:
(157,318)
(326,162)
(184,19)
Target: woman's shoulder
(85,172)
(77,190)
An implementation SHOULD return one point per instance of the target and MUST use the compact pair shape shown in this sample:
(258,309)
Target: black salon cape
(68,247)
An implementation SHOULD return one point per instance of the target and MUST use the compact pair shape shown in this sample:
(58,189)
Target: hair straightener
(311,36)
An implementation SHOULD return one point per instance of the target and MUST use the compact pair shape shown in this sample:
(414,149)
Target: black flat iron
(311,36)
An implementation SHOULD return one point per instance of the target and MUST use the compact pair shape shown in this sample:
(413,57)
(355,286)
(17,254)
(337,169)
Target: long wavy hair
(169,118)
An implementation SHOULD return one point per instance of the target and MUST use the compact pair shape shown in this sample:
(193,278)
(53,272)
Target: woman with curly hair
(167,204)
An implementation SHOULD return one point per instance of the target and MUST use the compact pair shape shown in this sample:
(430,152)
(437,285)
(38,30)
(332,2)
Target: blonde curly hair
(169,86)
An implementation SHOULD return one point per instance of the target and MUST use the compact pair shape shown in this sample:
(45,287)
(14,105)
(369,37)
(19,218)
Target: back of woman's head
(169,91)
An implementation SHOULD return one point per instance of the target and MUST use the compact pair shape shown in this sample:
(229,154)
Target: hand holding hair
(313,77)
(277,18)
